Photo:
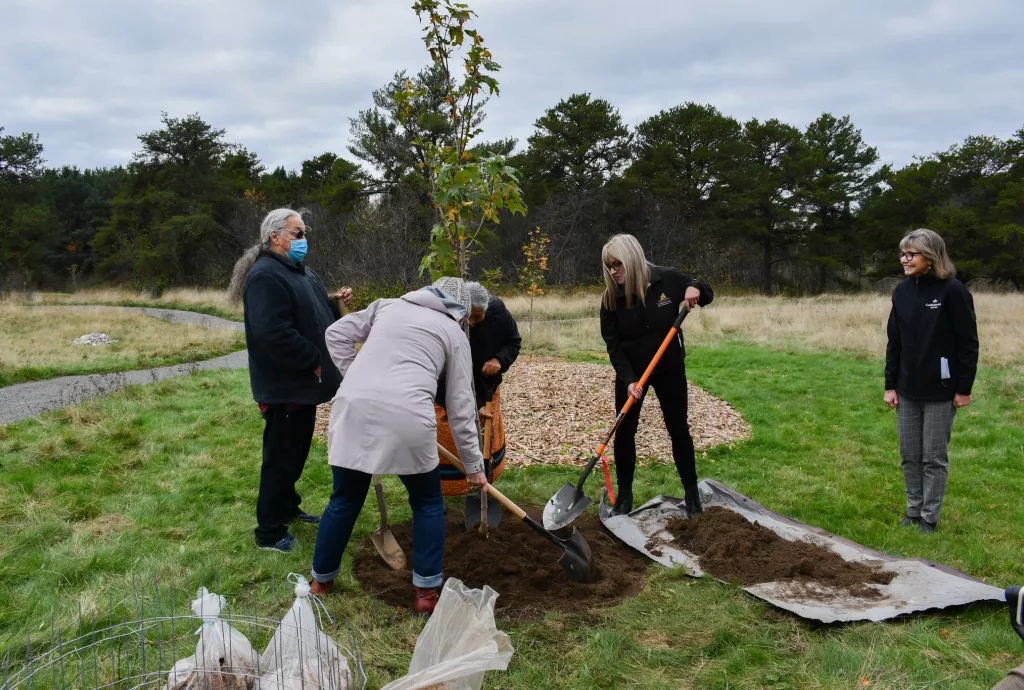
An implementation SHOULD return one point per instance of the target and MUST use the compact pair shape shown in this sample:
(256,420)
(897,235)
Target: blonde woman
(930,363)
(639,305)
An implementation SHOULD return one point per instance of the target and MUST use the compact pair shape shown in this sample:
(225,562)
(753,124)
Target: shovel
(480,511)
(576,559)
(383,538)
(570,501)
(1015,602)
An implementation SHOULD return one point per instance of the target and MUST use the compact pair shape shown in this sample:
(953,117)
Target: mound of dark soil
(517,563)
(733,549)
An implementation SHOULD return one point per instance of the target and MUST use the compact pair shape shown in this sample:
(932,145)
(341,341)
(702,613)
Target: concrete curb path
(25,400)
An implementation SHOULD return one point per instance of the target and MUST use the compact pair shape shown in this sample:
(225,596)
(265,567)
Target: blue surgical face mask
(298,251)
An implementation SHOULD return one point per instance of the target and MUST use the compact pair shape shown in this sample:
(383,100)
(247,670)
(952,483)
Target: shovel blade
(473,512)
(564,507)
(577,561)
(387,546)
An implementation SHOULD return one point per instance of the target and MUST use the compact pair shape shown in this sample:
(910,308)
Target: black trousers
(286,439)
(669,382)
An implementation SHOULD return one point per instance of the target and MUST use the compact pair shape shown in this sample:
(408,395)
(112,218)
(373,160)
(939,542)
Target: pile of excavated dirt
(733,549)
(519,564)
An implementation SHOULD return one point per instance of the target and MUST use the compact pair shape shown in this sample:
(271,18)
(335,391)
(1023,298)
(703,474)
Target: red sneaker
(426,600)
(318,589)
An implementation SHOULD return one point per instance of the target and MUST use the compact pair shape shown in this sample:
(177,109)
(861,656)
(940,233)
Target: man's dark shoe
(908,521)
(623,503)
(307,518)
(927,527)
(692,501)
(285,545)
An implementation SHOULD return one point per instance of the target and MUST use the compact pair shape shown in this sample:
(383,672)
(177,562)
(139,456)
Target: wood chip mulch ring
(556,413)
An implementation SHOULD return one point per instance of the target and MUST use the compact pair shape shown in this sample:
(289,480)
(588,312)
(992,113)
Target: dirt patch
(556,413)
(517,563)
(731,548)
(104,525)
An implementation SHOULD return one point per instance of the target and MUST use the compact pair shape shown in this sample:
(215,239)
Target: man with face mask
(287,312)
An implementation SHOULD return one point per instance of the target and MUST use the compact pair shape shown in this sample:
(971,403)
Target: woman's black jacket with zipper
(634,334)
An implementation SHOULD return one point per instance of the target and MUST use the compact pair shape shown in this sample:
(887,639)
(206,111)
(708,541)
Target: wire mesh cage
(252,637)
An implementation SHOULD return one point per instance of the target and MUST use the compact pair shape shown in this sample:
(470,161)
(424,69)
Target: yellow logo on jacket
(664,300)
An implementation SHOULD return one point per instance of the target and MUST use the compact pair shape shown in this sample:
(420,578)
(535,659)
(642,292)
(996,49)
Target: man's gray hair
(275,222)
(272,222)
(479,297)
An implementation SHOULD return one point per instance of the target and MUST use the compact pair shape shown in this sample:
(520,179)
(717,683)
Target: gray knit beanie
(456,289)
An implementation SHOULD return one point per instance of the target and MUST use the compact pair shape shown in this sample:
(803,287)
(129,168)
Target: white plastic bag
(300,656)
(223,660)
(459,643)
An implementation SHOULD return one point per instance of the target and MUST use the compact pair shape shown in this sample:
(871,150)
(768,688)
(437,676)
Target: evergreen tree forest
(765,206)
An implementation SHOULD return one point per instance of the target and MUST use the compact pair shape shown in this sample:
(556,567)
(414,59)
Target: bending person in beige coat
(383,422)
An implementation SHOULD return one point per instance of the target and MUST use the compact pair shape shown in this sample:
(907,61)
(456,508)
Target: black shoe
(307,518)
(285,545)
(927,527)
(692,501)
(623,504)
(908,521)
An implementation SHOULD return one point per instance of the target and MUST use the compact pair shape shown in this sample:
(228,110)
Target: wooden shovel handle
(501,498)
(487,435)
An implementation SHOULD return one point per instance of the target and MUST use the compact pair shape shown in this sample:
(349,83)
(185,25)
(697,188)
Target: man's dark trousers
(286,439)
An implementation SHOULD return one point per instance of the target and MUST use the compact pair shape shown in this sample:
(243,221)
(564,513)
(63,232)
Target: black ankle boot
(623,503)
(692,501)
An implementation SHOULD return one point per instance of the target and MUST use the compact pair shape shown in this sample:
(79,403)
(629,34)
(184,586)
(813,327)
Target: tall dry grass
(39,338)
(843,323)
(853,324)
(205,299)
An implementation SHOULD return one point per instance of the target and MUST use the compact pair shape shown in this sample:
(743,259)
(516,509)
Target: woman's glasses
(909,256)
(613,266)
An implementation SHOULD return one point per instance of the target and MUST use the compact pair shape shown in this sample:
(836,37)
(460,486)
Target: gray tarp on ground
(918,585)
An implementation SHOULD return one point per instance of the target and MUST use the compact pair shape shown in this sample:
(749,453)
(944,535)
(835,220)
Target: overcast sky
(283,78)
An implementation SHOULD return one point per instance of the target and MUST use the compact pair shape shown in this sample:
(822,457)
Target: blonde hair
(932,246)
(627,250)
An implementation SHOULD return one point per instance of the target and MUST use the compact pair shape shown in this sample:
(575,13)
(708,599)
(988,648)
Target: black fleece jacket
(633,335)
(287,312)
(496,337)
(931,319)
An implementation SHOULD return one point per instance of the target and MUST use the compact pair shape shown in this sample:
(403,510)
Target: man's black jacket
(931,319)
(287,312)
(634,334)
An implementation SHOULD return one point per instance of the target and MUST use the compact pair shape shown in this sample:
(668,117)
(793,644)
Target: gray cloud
(916,76)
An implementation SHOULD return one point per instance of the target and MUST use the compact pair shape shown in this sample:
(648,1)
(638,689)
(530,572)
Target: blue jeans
(338,519)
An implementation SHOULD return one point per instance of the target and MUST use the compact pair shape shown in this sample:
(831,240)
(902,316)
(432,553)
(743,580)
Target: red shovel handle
(608,480)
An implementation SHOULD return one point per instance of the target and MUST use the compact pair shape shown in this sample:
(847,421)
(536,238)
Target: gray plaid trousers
(924,429)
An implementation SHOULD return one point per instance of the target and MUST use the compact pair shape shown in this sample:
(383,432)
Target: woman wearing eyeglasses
(930,363)
(640,303)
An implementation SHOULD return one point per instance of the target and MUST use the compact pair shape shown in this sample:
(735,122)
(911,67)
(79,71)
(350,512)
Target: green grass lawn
(159,480)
